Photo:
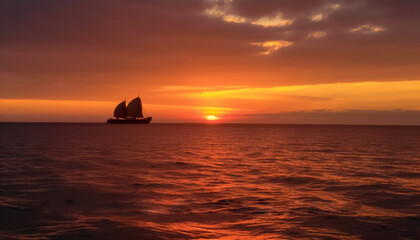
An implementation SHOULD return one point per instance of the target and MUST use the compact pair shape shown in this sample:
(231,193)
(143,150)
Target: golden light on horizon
(211,118)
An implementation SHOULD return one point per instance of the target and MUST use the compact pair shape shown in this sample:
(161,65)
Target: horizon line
(232,123)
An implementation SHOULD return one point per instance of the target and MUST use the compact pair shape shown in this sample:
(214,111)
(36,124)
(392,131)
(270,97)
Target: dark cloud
(50,48)
(290,8)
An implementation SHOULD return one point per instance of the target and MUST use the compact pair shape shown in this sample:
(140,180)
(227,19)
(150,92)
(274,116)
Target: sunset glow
(212,118)
(235,103)
(241,60)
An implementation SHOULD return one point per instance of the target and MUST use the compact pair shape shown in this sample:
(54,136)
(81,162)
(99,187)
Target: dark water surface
(197,181)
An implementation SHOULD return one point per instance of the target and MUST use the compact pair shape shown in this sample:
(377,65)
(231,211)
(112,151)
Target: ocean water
(208,181)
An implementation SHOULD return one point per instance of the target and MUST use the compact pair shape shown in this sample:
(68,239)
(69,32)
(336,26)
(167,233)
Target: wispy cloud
(324,12)
(196,88)
(272,46)
(319,34)
(317,17)
(367,28)
(247,93)
(184,88)
(276,20)
(336,96)
(222,9)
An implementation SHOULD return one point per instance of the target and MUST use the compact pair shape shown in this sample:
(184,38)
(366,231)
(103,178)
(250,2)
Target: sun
(212,118)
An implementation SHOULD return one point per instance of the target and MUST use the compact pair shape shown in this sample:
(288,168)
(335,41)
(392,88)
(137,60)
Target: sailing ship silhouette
(132,114)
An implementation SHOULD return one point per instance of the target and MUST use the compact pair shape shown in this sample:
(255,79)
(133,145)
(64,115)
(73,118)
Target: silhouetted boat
(132,114)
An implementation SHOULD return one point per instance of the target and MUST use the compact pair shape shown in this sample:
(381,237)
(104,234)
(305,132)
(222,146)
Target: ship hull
(130,121)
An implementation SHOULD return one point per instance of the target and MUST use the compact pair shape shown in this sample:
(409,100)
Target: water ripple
(196,181)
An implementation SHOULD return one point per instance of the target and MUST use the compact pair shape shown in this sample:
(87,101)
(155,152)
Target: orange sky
(241,60)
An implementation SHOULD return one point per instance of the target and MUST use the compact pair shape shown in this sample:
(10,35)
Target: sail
(120,111)
(134,108)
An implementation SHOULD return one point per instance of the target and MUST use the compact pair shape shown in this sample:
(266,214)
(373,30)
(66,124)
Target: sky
(265,61)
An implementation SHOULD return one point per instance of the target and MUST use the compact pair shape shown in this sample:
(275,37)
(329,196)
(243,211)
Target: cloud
(272,46)
(319,34)
(317,17)
(366,28)
(222,9)
(277,20)
(324,12)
